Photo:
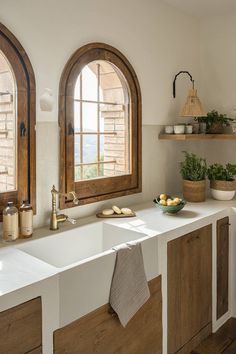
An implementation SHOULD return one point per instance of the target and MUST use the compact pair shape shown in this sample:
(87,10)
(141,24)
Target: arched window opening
(100,119)
(17,123)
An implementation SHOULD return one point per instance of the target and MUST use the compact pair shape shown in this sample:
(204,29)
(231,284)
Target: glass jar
(26,219)
(10,223)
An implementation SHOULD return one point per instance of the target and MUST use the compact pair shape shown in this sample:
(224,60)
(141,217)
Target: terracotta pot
(216,128)
(194,191)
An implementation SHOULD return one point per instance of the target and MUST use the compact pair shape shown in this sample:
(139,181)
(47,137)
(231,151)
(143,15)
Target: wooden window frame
(94,190)
(26,113)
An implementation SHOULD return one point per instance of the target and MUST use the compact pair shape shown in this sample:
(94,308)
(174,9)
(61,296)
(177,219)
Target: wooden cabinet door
(189,272)
(222,266)
(100,332)
(21,328)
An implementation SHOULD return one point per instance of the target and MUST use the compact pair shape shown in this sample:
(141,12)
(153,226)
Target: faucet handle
(72,221)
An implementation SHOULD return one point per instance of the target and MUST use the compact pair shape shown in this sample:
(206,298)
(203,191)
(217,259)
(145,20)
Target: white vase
(46,101)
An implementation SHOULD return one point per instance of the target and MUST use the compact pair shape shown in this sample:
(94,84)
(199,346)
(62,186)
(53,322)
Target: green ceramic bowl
(170,209)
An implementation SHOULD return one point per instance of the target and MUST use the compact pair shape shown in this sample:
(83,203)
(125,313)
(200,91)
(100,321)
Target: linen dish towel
(129,287)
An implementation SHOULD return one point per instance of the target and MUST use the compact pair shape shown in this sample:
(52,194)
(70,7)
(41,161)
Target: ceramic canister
(169,129)
(179,129)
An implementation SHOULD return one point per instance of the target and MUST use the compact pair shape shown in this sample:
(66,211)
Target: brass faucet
(57,218)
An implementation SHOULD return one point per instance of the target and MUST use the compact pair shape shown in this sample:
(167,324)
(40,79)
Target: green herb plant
(193,168)
(213,117)
(218,172)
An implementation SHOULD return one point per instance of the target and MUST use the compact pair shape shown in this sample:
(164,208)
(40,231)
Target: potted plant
(193,170)
(202,122)
(215,122)
(222,181)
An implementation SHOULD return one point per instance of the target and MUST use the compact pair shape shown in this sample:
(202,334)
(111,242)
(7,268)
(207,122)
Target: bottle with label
(10,223)
(26,219)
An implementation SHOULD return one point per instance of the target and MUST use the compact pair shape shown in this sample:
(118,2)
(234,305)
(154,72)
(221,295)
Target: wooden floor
(221,342)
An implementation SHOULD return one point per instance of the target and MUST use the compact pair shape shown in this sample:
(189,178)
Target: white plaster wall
(218,78)
(157,39)
(218,62)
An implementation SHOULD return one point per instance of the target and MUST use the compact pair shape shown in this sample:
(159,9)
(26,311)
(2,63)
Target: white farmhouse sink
(85,262)
(66,248)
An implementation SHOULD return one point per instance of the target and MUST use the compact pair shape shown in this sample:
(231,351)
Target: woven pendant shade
(192,106)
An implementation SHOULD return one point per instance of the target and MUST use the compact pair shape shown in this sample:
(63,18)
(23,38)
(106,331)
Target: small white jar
(179,129)
(189,129)
(169,129)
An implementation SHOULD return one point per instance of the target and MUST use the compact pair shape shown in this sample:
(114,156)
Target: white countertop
(18,269)
(151,221)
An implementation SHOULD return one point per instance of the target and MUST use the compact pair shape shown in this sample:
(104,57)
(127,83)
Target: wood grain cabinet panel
(100,332)
(222,266)
(36,351)
(189,268)
(21,328)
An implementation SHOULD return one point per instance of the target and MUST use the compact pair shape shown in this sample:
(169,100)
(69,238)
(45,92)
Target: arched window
(100,120)
(17,122)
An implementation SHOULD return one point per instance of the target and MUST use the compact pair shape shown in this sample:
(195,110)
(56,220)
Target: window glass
(101,121)
(8,143)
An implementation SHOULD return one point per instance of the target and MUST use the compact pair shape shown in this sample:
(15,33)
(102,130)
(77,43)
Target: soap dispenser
(26,219)
(10,223)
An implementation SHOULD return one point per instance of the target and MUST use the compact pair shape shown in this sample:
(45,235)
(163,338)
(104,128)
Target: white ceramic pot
(179,129)
(169,129)
(222,195)
(189,129)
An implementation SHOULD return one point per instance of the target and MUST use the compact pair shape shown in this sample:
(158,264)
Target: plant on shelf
(222,181)
(215,122)
(193,170)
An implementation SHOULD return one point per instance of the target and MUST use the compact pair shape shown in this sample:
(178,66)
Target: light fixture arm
(181,72)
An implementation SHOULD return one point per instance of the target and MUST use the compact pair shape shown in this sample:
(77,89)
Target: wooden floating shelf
(184,137)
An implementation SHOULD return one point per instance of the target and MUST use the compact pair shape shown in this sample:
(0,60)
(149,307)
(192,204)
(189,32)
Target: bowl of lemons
(169,204)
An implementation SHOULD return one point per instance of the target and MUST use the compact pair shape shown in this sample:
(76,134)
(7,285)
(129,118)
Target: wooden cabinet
(100,331)
(189,272)
(21,328)
(222,266)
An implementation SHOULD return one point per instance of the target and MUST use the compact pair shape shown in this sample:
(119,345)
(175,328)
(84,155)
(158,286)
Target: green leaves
(215,117)
(220,173)
(194,168)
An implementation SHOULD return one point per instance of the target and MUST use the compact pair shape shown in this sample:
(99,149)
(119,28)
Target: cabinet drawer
(21,328)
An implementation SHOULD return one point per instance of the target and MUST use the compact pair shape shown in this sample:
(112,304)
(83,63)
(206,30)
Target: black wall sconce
(181,72)
(192,106)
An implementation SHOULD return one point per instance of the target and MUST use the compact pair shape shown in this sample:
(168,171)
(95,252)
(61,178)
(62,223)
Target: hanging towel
(129,287)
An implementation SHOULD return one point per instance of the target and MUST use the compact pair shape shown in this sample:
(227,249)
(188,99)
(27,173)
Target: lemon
(177,201)
(163,196)
(163,202)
